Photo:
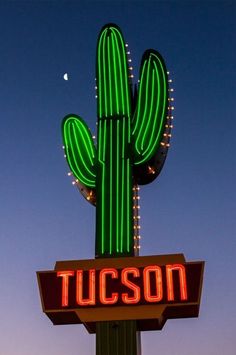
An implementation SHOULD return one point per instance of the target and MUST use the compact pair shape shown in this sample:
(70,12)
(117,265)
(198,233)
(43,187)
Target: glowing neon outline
(159,284)
(182,280)
(90,301)
(65,286)
(115,161)
(102,286)
(125,281)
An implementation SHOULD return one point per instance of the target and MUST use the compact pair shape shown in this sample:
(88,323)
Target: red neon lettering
(65,286)
(102,283)
(182,281)
(146,282)
(79,288)
(136,289)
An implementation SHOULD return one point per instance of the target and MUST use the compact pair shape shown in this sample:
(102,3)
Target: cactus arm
(80,150)
(150,114)
(114,192)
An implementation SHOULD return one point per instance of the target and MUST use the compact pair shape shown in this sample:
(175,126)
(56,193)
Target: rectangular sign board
(149,289)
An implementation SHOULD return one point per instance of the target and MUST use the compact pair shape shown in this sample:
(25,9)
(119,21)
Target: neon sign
(133,138)
(128,284)
(133,132)
(151,276)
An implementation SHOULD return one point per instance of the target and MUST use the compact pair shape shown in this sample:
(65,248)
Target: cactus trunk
(114,222)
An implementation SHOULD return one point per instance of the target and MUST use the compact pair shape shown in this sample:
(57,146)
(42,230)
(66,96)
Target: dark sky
(189,209)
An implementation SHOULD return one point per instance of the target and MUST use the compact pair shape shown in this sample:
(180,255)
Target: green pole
(118,338)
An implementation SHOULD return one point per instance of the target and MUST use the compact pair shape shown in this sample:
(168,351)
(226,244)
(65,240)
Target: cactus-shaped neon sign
(133,132)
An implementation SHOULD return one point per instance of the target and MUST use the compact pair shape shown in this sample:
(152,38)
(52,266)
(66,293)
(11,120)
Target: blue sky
(189,209)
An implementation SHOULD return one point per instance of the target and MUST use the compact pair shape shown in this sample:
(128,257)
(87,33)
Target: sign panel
(150,289)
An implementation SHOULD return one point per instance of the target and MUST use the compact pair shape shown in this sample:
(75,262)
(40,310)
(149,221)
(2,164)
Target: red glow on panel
(113,273)
(147,283)
(182,280)
(65,286)
(125,281)
(91,287)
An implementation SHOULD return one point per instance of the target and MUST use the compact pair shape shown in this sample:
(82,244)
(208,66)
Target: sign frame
(148,316)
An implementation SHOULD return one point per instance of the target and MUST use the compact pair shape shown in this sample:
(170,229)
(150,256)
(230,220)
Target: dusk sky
(190,208)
